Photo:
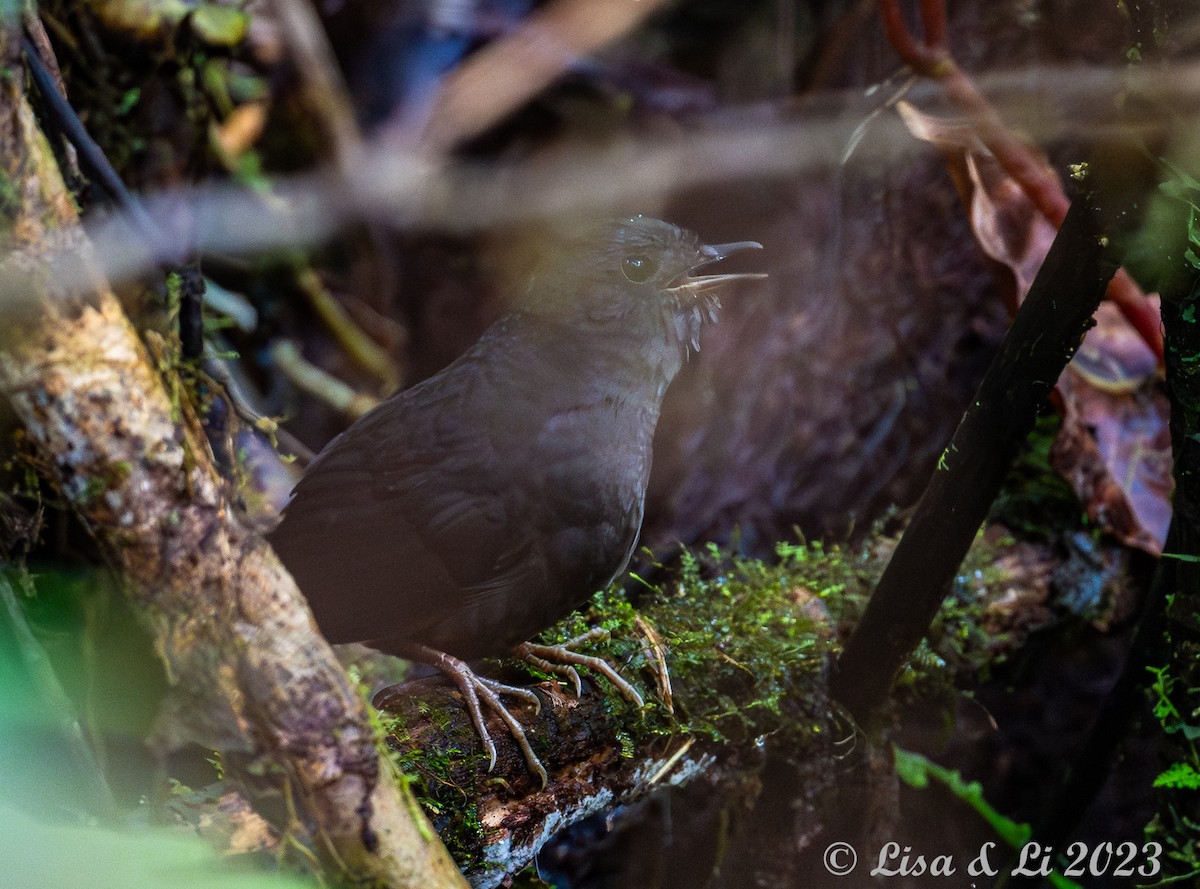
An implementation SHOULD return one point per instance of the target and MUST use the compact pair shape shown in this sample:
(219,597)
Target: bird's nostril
(714,252)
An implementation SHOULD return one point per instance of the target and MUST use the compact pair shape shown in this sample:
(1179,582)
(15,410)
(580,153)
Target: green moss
(91,490)
(1175,826)
(10,201)
(746,643)
(96,486)
(443,769)
(443,779)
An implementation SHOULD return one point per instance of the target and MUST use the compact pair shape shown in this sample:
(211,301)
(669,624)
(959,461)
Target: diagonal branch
(251,677)
(1044,335)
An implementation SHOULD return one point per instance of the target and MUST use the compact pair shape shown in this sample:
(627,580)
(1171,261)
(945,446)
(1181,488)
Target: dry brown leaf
(1114,445)
(1115,450)
(243,128)
(1007,226)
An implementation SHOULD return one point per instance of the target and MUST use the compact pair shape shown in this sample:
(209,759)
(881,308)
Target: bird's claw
(473,688)
(562,659)
(550,667)
(559,659)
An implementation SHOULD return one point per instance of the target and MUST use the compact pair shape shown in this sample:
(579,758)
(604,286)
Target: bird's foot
(474,688)
(563,660)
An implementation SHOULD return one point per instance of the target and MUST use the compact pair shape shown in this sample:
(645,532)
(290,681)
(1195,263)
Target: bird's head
(626,273)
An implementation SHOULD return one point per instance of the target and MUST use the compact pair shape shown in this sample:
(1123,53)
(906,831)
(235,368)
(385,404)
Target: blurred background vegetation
(352,197)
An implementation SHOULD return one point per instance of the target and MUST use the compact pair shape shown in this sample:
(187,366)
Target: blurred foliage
(41,854)
(58,823)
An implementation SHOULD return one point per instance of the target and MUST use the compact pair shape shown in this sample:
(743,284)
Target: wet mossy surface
(741,638)
(747,645)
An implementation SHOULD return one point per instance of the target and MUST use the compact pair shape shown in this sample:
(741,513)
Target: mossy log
(496,822)
(600,753)
(747,646)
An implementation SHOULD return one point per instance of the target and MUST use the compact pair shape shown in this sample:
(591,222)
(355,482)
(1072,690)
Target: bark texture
(251,676)
(600,757)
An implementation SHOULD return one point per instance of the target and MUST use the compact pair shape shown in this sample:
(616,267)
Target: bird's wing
(401,523)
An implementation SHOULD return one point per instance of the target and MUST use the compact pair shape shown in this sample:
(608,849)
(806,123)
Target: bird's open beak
(715,252)
(698,284)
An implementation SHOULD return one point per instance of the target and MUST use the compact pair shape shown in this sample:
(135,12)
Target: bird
(463,516)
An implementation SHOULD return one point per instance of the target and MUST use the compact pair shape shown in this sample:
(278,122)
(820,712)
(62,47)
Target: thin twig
(318,383)
(657,657)
(363,350)
(411,192)
(91,156)
(222,374)
(323,85)
(925,58)
(508,72)
(933,17)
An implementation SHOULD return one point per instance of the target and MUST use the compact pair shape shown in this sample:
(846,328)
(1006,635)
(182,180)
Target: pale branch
(324,89)
(510,71)
(251,677)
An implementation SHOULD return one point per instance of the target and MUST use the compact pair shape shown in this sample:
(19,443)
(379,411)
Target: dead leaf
(1115,450)
(1114,445)
(1007,226)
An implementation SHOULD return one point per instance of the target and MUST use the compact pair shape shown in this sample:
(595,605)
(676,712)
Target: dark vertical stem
(191,313)
(1181,321)
(1176,646)
(1043,337)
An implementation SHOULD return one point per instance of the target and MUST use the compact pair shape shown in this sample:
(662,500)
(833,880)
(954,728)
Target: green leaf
(911,769)
(1180,776)
(128,101)
(220,25)
(1182,557)
(49,801)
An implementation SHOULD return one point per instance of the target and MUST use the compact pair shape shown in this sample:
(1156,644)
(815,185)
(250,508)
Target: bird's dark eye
(639,268)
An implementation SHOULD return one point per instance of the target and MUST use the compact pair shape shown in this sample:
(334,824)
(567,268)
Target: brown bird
(465,515)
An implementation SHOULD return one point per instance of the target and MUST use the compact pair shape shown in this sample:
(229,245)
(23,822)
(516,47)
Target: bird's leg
(562,659)
(473,688)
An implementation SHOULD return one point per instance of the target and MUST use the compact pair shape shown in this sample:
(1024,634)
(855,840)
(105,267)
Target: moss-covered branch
(747,647)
